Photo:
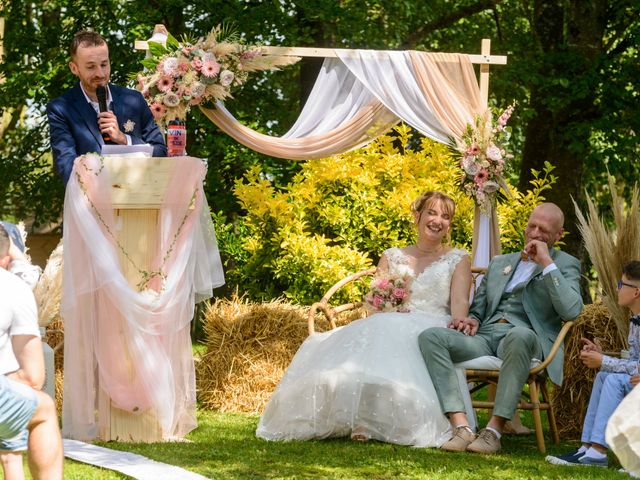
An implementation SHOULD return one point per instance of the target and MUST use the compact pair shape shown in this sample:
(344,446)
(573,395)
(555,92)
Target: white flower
(470,166)
(170,66)
(129,125)
(197,89)
(171,100)
(506,270)
(494,153)
(226,77)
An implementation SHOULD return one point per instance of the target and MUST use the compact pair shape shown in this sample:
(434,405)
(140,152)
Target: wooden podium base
(136,230)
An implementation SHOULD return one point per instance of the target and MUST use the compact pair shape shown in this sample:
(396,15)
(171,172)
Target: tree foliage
(572,70)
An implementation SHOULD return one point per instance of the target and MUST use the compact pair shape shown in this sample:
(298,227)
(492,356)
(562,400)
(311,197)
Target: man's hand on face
(538,252)
(108,124)
(468,326)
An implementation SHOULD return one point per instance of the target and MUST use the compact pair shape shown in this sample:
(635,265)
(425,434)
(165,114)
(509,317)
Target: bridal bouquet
(387,294)
(187,73)
(483,158)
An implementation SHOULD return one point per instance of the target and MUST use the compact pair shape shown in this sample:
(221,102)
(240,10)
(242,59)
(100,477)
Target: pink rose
(399,293)
(377,301)
(382,283)
(196,63)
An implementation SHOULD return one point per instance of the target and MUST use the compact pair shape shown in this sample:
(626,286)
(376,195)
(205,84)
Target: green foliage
(513,215)
(339,214)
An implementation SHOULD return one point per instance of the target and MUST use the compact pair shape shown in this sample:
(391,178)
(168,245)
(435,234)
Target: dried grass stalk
(611,249)
(48,290)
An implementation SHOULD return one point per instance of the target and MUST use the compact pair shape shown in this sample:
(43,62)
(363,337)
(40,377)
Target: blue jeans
(18,403)
(608,391)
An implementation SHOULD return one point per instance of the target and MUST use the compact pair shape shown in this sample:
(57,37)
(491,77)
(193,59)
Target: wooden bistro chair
(484,371)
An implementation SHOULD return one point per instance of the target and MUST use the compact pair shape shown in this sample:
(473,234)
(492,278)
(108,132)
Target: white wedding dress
(369,377)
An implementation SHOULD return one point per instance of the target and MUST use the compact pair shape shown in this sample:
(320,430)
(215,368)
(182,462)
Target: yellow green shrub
(340,213)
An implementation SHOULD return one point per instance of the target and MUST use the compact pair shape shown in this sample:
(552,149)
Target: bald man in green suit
(516,315)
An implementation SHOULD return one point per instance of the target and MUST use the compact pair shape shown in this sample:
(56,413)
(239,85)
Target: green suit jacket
(548,299)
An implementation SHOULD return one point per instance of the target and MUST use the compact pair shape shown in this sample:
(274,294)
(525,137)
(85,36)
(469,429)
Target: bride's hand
(467,325)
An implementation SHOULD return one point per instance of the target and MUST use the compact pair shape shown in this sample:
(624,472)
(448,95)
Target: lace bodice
(430,288)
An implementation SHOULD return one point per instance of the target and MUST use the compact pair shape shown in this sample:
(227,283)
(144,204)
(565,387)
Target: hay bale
(572,398)
(248,348)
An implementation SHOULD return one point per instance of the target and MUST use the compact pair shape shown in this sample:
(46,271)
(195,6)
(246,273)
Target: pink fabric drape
(449,84)
(135,346)
(369,123)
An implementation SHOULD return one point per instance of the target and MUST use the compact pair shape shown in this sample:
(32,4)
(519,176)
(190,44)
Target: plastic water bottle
(177,138)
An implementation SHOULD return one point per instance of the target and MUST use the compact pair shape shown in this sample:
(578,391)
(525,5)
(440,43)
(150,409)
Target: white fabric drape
(135,346)
(390,76)
(361,94)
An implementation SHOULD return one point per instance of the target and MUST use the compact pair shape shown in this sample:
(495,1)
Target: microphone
(101,93)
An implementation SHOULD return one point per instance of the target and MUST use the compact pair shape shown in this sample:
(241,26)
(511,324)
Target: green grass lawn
(224,447)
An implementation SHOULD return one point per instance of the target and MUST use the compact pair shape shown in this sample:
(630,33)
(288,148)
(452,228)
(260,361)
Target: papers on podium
(143,149)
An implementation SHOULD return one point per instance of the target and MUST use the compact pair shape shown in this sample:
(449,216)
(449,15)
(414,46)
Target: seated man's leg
(518,347)
(441,348)
(45,442)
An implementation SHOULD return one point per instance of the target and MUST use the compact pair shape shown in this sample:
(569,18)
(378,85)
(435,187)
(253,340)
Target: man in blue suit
(75,121)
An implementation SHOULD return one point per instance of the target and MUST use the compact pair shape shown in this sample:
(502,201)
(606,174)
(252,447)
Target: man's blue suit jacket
(73,125)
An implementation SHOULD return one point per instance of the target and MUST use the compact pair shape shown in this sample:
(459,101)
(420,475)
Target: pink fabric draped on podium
(106,321)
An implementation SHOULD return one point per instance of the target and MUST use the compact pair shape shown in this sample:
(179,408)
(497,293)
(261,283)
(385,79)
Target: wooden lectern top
(139,182)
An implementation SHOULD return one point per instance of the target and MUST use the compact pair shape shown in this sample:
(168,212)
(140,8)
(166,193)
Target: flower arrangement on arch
(183,74)
(387,294)
(483,158)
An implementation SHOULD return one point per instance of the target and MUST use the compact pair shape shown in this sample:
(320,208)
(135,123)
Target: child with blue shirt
(616,378)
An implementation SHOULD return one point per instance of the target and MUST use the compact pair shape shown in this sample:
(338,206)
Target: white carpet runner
(136,466)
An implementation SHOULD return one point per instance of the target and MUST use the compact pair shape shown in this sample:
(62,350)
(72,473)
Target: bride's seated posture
(368,379)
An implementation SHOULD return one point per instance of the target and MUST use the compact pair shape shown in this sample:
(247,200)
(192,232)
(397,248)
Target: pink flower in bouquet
(196,63)
(165,84)
(187,50)
(481,176)
(381,283)
(195,101)
(210,69)
(183,67)
(158,110)
(473,149)
(378,300)
(400,293)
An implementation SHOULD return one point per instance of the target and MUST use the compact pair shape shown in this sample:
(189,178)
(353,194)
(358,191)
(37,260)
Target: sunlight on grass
(225,447)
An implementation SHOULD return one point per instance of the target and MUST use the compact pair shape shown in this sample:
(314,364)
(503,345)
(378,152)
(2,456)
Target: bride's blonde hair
(426,199)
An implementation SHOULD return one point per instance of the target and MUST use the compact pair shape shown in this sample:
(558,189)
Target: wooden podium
(138,187)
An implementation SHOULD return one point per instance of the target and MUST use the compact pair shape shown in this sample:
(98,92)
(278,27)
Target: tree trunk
(570,37)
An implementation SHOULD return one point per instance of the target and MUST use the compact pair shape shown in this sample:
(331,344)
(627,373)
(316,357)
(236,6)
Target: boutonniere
(506,270)
(129,125)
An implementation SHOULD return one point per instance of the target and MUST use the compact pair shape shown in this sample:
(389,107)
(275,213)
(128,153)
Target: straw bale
(571,399)
(248,348)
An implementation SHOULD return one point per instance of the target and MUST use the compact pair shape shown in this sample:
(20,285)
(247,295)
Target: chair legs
(551,416)
(537,418)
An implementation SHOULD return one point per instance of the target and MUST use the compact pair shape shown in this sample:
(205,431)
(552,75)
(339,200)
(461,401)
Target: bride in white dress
(368,379)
